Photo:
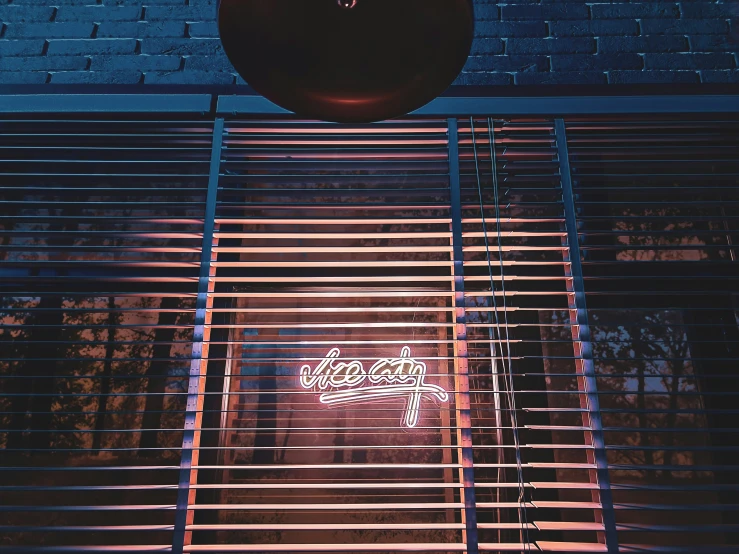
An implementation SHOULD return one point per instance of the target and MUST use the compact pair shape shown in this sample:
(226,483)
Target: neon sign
(350,383)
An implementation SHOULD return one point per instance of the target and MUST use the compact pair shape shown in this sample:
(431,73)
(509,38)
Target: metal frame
(246,104)
(525,105)
(583,346)
(199,359)
(105,103)
(467,472)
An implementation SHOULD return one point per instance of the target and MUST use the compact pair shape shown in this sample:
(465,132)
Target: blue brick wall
(522,42)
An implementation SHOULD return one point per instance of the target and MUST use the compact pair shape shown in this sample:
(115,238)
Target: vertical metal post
(583,346)
(461,373)
(445,379)
(199,358)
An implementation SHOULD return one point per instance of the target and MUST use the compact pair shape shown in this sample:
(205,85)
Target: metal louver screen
(100,239)
(368,240)
(429,335)
(334,238)
(515,244)
(658,213)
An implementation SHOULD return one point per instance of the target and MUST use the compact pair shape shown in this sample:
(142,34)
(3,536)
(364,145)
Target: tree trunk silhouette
(105,381)
(35,381)
(20,389)
(359,456)
(16,385)
(265,441)
(677,373)
(43,355)
(6,223)
(288,431)
(339,441)
(644,436)
(157,374)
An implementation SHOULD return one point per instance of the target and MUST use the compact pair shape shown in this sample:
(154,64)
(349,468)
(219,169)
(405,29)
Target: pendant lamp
(348,61)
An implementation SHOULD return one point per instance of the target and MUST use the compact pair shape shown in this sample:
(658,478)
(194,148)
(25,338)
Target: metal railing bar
(198,365)
(460,346)
(585,353)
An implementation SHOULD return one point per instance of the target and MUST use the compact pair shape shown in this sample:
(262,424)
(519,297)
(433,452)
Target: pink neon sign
(349,383)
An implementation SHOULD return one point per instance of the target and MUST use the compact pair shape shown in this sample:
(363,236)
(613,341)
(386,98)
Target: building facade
(507,322)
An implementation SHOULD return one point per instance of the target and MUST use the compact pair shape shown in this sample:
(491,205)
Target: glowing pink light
(350,383)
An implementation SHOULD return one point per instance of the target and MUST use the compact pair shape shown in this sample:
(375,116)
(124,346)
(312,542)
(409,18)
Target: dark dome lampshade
(348,61)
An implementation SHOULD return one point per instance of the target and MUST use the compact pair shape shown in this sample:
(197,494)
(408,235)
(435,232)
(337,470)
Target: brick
(725,76)
(486,12)
(487,46)
(77,47)
(512,43)
(209,64)
(715,60)
(506,63)
(547,12)
(187,78)
(182,47)
(47,63)
(683,27)
(49,30)
(21,47)
(484,79)
(23,77)
(24,14)
(512,12)
(708,10)
(98,14)
(651,77)
(203,30)
(593,28)
(128,77)
(713,43)
(636,11)
(584,62)
(577,45)
(562,78)
(655,43)
(141,29)
(204,12)
(54,3)
(137,62)
(507,29)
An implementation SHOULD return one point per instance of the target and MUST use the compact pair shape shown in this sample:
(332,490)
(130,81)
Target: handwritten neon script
(349,382)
